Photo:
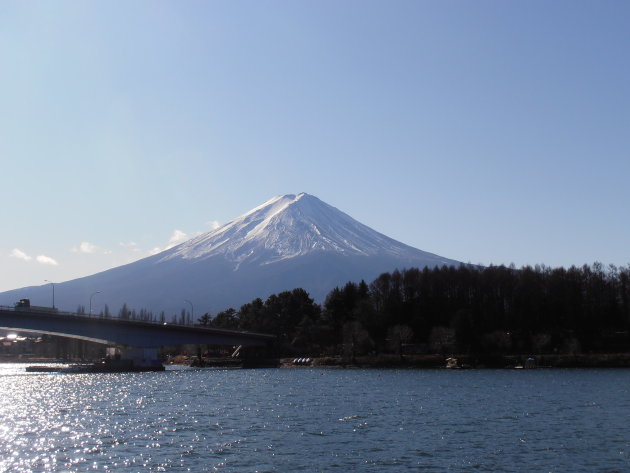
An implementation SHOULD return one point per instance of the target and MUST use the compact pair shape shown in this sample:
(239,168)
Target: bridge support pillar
(138,357)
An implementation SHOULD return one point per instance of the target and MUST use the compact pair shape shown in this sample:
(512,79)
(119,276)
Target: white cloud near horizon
(176,238)
(85,247)
(43,259)
(19,254)
(213,224)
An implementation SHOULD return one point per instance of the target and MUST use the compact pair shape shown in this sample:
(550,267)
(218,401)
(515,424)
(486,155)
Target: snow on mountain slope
(289,226)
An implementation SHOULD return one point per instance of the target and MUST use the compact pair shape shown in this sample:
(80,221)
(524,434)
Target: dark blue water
(316,420)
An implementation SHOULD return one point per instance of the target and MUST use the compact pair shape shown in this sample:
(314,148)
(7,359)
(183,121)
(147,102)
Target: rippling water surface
(316,420)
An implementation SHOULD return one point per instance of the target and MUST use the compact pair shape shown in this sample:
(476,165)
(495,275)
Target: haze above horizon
(486,132)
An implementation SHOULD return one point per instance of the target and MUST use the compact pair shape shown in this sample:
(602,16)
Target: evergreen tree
(124,313)
(227,319)
(205,319)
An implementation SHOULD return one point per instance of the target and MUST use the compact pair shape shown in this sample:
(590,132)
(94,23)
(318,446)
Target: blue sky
(487,131)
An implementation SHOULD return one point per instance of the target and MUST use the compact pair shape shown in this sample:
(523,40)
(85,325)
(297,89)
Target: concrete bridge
(131,333)
(136,338)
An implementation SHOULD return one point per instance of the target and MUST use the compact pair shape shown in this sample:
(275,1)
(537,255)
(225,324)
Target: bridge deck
(123,332)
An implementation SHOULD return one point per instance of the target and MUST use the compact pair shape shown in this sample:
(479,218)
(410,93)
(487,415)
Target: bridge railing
(74,314)
(30,309)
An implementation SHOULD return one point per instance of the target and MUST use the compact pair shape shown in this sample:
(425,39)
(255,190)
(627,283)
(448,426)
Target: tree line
(465,309)
(448,309)
(142,315)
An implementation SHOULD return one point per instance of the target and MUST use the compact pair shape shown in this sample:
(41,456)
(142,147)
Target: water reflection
(312,420)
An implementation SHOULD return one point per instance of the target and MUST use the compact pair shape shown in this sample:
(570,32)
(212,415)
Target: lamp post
(53,289)
(93,294)
(192,309)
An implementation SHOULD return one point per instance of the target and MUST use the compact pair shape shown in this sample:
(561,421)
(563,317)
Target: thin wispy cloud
(130,245)
(43,259)
(19,254)
(86,247)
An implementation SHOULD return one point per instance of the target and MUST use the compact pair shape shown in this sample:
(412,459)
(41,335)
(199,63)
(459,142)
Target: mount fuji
(289,241)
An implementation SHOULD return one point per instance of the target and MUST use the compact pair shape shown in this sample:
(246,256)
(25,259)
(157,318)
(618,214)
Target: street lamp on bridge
(192,310)
(93,294)
(53,289)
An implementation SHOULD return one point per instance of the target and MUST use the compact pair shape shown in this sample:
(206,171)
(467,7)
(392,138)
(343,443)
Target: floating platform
(107,367)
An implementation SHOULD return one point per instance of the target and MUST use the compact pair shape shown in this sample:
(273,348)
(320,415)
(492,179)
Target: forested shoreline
(486,316)
(466,310)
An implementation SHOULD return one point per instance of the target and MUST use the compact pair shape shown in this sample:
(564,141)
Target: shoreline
(434,361)
(599,360)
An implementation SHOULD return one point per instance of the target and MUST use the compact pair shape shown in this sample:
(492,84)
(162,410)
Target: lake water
(316,420)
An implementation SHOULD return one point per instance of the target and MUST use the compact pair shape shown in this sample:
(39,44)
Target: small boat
(452,363)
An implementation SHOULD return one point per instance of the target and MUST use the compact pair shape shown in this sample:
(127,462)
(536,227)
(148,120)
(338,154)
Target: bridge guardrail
(26,309)
(75,314)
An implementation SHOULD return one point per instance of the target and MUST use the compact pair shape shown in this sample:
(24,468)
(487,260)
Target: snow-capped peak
(284,227)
